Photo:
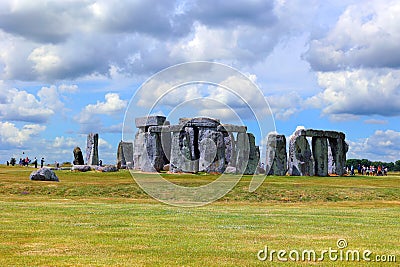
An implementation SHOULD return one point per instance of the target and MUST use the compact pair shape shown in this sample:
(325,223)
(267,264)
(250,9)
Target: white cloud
(367,34)
(19,105)
(65,88)
(112,105)
(286,105)
(41,42)
(358,92)
(375,121)
(381,146)
(11,135)
(90,115)
(64,142)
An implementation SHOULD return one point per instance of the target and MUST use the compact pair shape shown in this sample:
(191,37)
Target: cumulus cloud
(90,115)
(60,40)
(286,105)
(381,146)
(367,34)
(16,105)
(358,92)
(20,105)
(112,105)
(10,134)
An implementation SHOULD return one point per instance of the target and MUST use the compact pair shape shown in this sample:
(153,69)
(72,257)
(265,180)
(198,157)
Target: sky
(68,68)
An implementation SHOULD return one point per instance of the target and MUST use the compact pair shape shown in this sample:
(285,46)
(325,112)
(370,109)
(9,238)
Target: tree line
(392,166)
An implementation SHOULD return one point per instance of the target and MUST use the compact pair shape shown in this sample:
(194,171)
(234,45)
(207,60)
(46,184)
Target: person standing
(41,163)
(35,162)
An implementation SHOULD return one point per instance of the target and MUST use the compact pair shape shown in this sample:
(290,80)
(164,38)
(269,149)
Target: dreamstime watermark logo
(339,253)
(195,89)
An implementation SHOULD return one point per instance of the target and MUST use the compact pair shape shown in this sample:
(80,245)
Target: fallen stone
(230,170)
(44,174)
(166,167)
(81,168)
(110,168)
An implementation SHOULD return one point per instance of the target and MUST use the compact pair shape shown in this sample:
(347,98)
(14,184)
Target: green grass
(105,219)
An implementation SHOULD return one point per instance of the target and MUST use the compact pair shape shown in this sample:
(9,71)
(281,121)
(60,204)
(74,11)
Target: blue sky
(68,68)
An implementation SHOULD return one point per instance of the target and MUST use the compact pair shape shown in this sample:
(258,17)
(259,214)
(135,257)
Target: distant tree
(353,162)
(390,166)
(366,162)
(397,165)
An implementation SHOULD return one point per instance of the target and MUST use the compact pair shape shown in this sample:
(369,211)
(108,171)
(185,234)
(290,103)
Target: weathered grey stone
(254,156)
(184,155)
(125,155)
(320,154)
(212,150)
(230,170)
(78,157)
(230,149)
(231,128)
(200,122)
(260,170)
(44,174)
(153,155)
(300,156)
(276,161)
(139,150)
(242,152)
(109,168)
(149,121)
(321,133)
(81,168)
(196,144)
(339,149)
(92,150)
(166,167)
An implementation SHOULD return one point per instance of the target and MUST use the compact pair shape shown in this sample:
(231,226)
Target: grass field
(105,219)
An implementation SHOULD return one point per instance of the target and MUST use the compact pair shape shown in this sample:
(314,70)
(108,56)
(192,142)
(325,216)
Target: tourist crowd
(368,170)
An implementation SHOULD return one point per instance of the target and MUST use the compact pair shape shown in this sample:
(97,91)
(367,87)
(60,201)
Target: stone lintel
(199,122)
(166,128)
(231,128)
(321,133)
(149,121)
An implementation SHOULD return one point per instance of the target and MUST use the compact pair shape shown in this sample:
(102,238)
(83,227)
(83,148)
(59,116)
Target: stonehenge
(314,160)
(204,144)
(193,145)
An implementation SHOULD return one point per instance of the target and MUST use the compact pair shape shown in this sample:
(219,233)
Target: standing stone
(230,151)
(125,155)
(184,158)
(78,157)
(139,149)
(212,151)
(300,155)
(276,162)
(92,150)
(254,156)
(148,152)
(320,154)
(339,149)
(243,152)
